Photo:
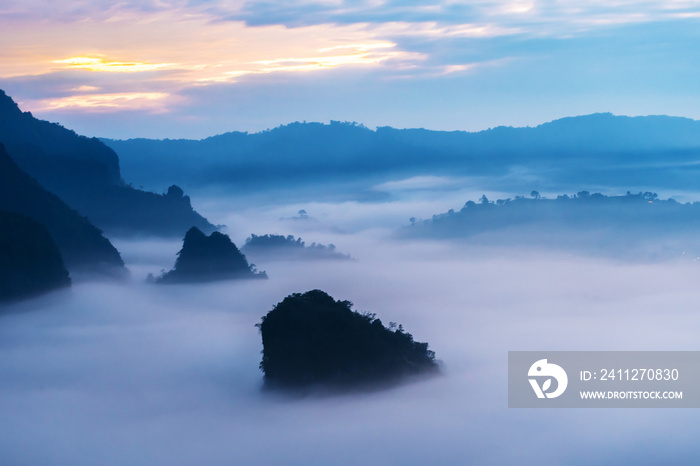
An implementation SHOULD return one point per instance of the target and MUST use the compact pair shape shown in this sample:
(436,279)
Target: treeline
(564,218)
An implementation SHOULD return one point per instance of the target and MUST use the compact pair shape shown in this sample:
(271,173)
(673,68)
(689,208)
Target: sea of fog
(138,374)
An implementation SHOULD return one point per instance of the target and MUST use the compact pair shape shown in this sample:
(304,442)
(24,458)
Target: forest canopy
(311,339)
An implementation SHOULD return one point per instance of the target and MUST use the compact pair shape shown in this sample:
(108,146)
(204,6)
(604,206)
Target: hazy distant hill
(85,173)
(617,225)
(280,247)
(81,244)
(30,262)
(599,149)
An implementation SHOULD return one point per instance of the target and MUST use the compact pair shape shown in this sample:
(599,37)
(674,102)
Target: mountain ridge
(85,173)
(235,133)
(569,153)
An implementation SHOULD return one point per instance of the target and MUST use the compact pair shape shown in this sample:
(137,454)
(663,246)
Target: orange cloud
(102,102)
(99,64)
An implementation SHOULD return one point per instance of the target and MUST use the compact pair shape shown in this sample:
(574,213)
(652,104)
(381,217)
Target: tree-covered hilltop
(279,247)
(30,262)
(82,245)
(311,339)
(638,215)
(208,258)
(85,174)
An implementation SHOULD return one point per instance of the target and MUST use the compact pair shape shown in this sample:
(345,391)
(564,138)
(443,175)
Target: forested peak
(311,339)
(209,258)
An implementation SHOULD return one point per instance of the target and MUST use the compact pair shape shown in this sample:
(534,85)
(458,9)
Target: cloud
(532,16)
(419,183)
(79,10)
(130,374)
(175,48)
(100,65)
(371,53)
(115,101)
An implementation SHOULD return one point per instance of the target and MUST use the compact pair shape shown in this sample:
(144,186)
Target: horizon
(330,121)
(359,124)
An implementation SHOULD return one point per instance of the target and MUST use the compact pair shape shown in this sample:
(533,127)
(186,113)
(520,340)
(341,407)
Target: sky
(195,68)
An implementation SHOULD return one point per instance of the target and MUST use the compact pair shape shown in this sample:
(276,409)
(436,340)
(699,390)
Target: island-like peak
(209,258)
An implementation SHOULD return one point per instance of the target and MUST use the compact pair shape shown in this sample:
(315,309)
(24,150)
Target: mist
(133,373)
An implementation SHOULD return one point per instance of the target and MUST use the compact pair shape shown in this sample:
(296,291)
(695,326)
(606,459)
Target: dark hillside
(85,174)
(81,244)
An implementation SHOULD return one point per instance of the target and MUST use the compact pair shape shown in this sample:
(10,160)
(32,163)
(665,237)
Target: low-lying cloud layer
(138,374)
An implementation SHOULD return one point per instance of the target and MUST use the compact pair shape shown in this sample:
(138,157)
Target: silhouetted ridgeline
(208,258)
(30,262)
(599,149)
(618,221)
(81,244)
(311,339)
(279,247)
(85,173)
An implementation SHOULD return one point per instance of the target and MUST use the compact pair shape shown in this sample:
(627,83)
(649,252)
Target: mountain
(82,245)
(30,262)
(600,149)
(208,258)
(85,174)
(310,339)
